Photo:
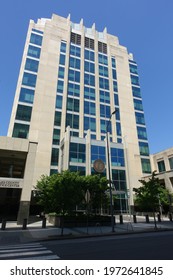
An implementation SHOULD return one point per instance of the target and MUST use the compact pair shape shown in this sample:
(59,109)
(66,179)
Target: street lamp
(109,172)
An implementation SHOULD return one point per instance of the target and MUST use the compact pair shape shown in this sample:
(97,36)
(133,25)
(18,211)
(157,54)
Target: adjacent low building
(17,164)
(162,163)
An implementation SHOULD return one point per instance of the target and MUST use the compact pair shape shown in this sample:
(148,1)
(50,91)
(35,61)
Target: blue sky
(144,27)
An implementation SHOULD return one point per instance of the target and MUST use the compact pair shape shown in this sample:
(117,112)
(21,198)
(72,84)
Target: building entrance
(9,203)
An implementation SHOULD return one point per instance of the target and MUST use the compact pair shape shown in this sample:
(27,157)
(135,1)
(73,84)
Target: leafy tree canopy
(61,193)
(151,194)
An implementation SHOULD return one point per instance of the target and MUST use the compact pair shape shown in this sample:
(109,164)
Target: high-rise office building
(72,78)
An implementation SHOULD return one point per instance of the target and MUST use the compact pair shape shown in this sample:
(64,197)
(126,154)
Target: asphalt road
(145,246)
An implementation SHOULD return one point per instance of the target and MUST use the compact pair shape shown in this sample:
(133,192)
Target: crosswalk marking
(26,251)
(25,245)
(21,250)
(49,257)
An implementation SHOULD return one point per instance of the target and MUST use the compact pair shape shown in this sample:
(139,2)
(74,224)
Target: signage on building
(9,184)
(99,165)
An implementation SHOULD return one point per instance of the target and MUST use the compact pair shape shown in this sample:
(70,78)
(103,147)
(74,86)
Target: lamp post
(109,172)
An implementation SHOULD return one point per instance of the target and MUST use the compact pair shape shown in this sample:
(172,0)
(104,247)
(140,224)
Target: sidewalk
(14,234)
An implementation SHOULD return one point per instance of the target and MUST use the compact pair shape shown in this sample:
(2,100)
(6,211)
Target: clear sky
(145,27)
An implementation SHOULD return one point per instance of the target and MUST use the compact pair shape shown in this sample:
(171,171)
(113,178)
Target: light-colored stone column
(23,212)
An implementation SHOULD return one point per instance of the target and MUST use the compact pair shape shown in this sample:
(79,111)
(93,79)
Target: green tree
(44,193)
(151,195)
(60,193)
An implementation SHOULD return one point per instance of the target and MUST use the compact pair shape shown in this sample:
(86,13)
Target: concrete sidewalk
(14,234)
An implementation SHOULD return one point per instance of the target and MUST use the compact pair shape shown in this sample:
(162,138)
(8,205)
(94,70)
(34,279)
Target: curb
(71,236)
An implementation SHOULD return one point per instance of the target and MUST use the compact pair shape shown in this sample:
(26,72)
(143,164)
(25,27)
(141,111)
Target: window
(63,47)
(89,67)
(80,169)
(73,89)
(77,152)
(62,59)
(113,62)
(93,136)
(54,156)
(136,92)
(56,136)
(114,74)
(118,128)
(74,75)
(103,70)
(26,95)
(61,72)
(29,79)
(89,55)
(103,126)
(142,133)
(89,123)
(36,39)
(104,83)
(138,104)
(144,149)
(139,118)
(31,65)
(98,152)
(117,114)
(117,157)
(103,59)
(133,69)
(115,86)
(74,62)
(74,133)
(171,162)
(34,51)
(119,140)
(53,171)
(105,111)
(57,120)
(38,31)
(89,108)
(23,113)
(75,51)
(146,167)
(119,179)
(104,96)
(89,79)
(72,121)
(73,104)
(135,80)
(20,130)
(116,100)
(60,86)
(58,101)
(132,61)
(161,166)
(89,93)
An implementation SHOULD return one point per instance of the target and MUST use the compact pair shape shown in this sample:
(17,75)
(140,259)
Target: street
(154,246)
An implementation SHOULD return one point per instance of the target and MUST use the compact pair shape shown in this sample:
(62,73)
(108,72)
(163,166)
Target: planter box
(79,221)
(54,220)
